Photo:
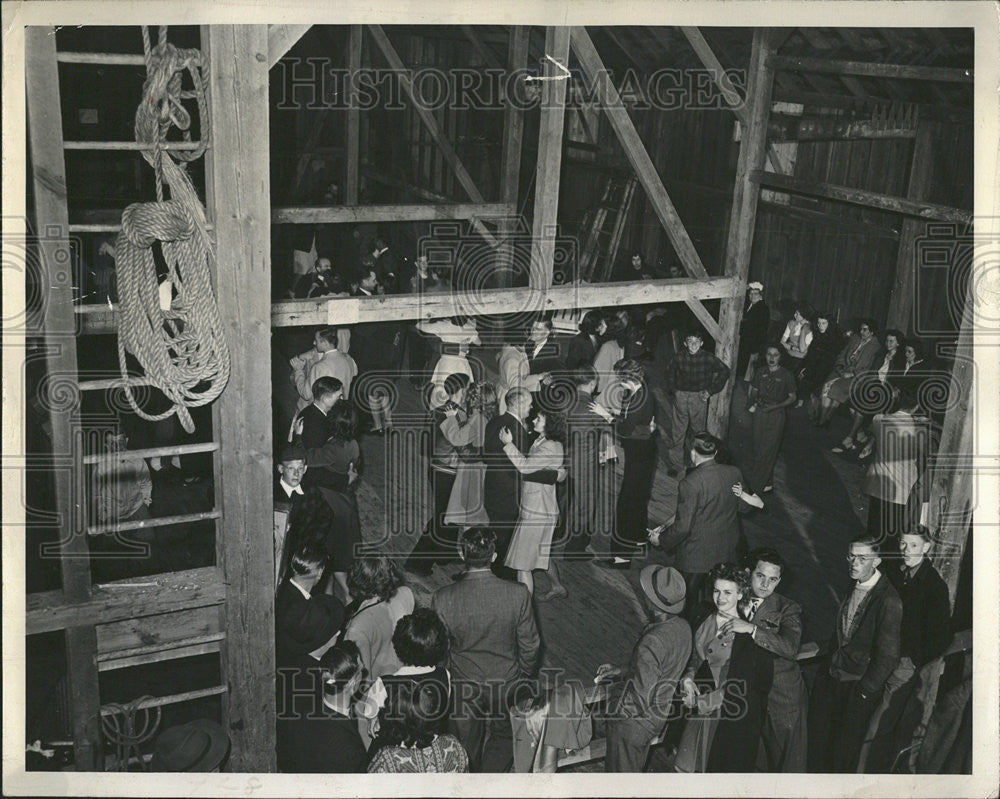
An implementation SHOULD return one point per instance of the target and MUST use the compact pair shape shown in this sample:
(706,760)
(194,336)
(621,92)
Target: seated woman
(377,585)
(858,357)
(872,393)
(421,643)
(818,361)
(539,510)
(410,739)
(326,741)
(726,683)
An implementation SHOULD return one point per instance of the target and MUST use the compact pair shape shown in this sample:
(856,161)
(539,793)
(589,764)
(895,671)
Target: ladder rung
(101,58)
(112,382)
(155,452)
(148,524)
(173,699)
(157,653)
(130,145)
(108,227)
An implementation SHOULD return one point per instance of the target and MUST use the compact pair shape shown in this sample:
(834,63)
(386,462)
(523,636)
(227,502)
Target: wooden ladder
(606,224)
(128,622)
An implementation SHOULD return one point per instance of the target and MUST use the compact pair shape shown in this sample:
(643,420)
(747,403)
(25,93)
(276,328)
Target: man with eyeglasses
(865,651)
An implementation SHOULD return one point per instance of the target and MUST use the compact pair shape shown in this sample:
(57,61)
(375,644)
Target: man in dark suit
(706,528)
(541,350)
(865,653)
(924,635)
(319,736)
(312,428)
(373,345)
(386,266)
(495,649)
(304,621)
(500,485)
(775,625)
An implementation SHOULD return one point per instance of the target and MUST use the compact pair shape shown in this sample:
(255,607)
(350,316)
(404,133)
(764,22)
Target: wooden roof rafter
(593,68)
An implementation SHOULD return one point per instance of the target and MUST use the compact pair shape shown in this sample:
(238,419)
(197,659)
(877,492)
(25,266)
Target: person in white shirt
(797,337)
(515,363)
(324,360)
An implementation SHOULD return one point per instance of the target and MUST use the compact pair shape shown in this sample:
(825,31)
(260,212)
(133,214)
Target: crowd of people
(523,474)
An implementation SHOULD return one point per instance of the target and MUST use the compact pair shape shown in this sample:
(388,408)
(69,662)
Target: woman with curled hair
(583,346)
(409,736)
(725,684)
(421,642)
(376,582)
(539,509)
(628,403)
(465,504)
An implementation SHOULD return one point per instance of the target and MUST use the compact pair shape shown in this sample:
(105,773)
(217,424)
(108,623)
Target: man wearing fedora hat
(199,745)
(657,661)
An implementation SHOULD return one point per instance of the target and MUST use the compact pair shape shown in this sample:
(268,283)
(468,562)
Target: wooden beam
(904,283)
(482,49)
(788,127)
(737,104)
(135,598)
(426,116)
(409,188)
(308,215)
(870,199)
(510,158)
(637,156)
(239,178)
(871,69)
(280,39)
(401,307)
(743,217)
(550,146)
(52,222)
(352,159)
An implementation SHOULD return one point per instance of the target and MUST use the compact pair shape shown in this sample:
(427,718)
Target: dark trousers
(768,427)
(480,719)
(888,521)
(503,512)
(838,720)
(628,746)
(438,542)
(633,497)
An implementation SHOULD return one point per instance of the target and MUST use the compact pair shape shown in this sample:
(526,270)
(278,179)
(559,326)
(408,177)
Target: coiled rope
(182,350)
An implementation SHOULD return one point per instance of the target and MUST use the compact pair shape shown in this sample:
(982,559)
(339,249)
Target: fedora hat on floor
(200,745)
(664,587)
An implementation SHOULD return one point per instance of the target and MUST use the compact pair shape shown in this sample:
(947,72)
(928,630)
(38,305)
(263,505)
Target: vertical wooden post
(954,472)
(904,285)
(352,155)
(510,164)
(52,222)
(753,142)
(238,176)
(550,142)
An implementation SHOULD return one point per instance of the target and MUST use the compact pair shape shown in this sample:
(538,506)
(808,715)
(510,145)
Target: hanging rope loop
(178,339)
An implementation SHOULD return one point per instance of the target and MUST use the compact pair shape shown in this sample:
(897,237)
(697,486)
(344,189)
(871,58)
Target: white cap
(756,285)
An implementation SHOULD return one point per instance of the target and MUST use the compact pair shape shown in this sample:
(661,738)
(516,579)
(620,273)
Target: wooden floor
(815,509)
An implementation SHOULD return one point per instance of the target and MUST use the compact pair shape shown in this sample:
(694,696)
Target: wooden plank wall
(832,255)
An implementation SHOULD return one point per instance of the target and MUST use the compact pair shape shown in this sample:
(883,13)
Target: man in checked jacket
(693,376)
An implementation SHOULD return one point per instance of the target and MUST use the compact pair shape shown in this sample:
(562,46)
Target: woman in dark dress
(726,683)
(583,346)
(753,327)
(812,371)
